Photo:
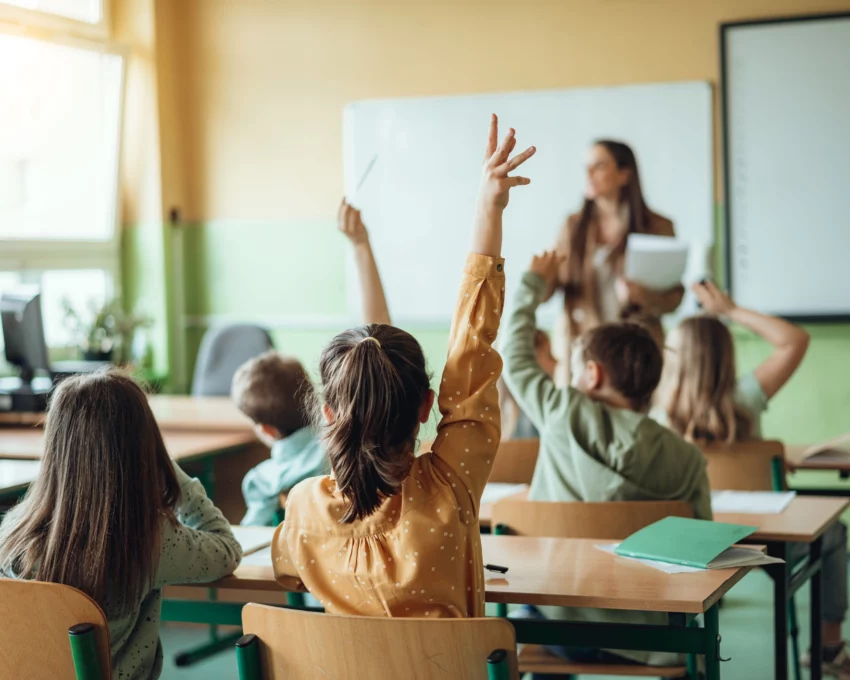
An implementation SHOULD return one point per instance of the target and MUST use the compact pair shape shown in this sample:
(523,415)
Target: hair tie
(373,339)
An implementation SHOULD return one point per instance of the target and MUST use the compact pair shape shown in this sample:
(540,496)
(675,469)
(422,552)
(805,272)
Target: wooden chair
(515,460)
(287,643)
(51,632)
(614,521)
(746,466)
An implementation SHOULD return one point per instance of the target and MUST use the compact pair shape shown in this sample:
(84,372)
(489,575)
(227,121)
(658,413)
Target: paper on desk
(834,449)
(734,557)
(260,558)
(755,502)
(661,566)
(253,538)
(496,491)
(657,262)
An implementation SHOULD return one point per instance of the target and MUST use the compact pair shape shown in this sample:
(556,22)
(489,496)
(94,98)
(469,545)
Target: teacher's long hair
(639,219)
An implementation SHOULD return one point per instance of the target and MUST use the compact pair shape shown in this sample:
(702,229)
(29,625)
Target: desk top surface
(557,571)
(804,520)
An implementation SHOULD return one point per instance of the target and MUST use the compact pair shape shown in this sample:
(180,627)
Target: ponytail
(374,382)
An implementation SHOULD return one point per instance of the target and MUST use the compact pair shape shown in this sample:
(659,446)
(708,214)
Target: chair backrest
(515,460)
(223,350)
(298,645)
(746,466)
(34,622)
(611,520)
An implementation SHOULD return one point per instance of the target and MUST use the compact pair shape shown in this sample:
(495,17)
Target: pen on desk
(496,567)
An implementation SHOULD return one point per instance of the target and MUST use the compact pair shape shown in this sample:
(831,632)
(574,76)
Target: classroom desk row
(542,571)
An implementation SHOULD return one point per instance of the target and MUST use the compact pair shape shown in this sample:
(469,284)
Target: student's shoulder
(310,490)
(663,439)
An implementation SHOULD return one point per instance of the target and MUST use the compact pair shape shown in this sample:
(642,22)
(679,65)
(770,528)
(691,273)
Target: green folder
(689,542)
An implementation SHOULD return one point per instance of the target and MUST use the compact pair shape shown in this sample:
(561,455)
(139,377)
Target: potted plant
(106,332)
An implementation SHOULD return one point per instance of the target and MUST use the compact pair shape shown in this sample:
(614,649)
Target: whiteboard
(787,113)
(419,199)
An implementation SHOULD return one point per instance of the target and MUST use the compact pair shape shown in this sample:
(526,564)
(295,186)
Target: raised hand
(496,182)
(351,224)
(546,266)
(712,299)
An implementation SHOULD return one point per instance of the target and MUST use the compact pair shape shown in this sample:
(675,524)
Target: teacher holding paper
(593,242)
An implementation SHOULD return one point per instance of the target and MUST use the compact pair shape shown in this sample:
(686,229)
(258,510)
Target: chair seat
(535,659)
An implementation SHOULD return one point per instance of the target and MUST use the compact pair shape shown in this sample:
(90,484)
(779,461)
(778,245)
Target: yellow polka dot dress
(419,554)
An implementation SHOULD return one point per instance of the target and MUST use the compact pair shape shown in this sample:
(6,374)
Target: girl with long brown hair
(112,516)
(704,399)
(593,243)
(388,533)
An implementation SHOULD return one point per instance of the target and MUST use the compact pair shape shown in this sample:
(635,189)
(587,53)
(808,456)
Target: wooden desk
(28,444)
(542,571)
(208,414)
(804,521)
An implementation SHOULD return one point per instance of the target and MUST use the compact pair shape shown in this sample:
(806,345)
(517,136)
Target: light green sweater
(199,548)
(590,451)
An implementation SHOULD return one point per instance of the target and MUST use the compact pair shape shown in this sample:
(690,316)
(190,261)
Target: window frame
(24,255)
(56,23)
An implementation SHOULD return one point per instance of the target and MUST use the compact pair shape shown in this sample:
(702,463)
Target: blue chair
(223,350)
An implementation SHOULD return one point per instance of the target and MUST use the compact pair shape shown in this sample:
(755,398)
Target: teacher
(593,242)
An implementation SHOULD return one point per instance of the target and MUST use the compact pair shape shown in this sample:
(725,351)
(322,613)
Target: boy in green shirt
(597,442)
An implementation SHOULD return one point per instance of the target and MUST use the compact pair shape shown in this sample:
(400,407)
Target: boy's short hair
(630,357)
(274,390)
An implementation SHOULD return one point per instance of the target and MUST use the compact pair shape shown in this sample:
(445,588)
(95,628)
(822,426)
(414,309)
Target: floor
(746,625)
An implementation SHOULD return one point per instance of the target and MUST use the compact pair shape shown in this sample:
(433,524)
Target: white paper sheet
(253,538)
(496,491)
(661,566)
(657,262)
(754,502)
(260,558)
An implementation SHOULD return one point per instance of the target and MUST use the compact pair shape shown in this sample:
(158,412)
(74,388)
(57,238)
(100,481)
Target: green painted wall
(268,270)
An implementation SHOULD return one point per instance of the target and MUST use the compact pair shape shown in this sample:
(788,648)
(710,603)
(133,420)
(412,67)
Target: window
(59,136)
(89,11)
(60,122)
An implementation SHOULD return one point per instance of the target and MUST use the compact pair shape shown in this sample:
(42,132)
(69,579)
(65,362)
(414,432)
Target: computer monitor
(23,331)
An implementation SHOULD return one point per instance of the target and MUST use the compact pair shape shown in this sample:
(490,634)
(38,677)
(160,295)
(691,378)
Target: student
(515,424)
(275,392)
(597,442)
(701,395)
(703,398)
(389,534)
(112,516)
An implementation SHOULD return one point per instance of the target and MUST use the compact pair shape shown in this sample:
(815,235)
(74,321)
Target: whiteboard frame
(725,29)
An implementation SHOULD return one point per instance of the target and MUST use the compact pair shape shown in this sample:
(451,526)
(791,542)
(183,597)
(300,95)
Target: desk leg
(712,634)
(816,615)
(779,573)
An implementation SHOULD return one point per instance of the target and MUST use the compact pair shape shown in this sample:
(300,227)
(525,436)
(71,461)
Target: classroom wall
(258,90)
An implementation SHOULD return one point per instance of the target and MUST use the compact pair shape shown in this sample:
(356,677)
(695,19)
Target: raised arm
(789,342)
(532,387)
(468,433)
(350,223)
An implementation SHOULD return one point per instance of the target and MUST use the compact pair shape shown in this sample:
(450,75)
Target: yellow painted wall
(264,81)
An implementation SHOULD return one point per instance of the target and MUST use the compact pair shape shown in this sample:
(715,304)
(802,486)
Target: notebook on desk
(693,543)
(834,449)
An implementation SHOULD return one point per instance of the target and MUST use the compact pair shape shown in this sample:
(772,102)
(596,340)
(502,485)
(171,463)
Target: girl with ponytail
(389,533)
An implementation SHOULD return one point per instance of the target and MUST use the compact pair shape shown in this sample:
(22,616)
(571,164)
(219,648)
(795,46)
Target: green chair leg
(248,657)
(795,639)
(778,471)
(501,609)
(497,666)
(84,652)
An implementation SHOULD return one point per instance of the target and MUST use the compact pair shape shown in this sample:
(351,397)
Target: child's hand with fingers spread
(546,266)
(351,224)
(495,182)
(712,299)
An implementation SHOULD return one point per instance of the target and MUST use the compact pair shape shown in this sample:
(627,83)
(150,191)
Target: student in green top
(703,398)
(596,441)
